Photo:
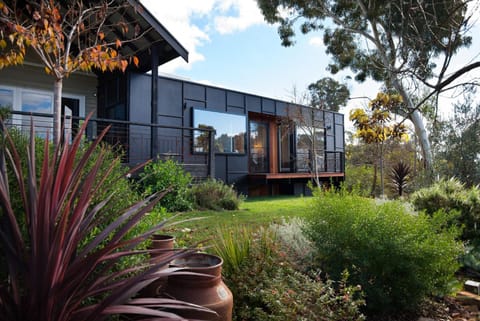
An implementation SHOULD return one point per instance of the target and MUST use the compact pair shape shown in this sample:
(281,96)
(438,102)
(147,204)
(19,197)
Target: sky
(231,46)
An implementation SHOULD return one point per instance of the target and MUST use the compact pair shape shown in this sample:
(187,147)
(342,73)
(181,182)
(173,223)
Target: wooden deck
(275,176)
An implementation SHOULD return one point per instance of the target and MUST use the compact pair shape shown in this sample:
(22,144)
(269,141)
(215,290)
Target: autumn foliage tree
(374,126)
(67,36)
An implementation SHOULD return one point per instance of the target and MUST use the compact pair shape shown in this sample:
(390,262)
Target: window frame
(194,145)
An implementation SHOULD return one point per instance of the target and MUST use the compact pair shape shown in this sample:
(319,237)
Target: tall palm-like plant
(399,176)
(59,267)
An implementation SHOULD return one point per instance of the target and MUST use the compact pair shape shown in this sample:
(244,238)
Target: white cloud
(192,22)
(316,41)
(177,16)
(247,14)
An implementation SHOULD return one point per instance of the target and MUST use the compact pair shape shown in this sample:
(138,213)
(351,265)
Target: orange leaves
(3,8)
(42,25)
(123,65)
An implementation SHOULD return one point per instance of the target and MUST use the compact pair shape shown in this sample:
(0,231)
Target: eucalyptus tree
(328,94)
(404,43)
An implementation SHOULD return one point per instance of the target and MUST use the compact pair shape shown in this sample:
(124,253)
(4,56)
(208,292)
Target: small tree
(324,94)
(373,126)
(67,36)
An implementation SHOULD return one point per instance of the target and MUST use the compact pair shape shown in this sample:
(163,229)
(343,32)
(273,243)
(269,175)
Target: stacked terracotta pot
(204,287)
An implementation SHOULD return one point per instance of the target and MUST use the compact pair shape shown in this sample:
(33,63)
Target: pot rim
(184,262)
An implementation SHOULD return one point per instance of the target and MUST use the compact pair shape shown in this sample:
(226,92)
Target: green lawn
(253,212)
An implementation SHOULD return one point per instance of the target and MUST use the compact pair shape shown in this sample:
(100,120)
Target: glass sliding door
(285,148)
(258,159)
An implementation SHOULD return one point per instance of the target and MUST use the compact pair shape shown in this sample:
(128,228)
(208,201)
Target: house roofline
(166,35)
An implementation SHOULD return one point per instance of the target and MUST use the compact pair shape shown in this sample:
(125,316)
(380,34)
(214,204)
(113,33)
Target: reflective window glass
(230,131)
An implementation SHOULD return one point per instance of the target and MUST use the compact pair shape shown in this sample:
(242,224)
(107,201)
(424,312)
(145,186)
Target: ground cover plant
(266,286)
(398,258)
(61,263)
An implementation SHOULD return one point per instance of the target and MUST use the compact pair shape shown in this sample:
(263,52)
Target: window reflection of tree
(202,138)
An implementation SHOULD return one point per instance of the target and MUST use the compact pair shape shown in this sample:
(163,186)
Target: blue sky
(231,46)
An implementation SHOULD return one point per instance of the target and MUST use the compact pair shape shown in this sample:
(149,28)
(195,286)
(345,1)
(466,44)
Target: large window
(6,98)
(230,131)
(35,102)
(39,102)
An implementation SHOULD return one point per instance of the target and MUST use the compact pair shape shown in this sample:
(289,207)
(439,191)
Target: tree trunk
(374,182)
(57,110)
(417,121)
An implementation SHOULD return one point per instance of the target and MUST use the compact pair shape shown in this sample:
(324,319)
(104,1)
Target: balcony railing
(133,139)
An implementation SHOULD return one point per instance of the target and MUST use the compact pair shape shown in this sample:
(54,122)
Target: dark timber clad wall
(177,98)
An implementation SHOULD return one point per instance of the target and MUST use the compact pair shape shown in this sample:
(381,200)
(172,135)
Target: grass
(254,212)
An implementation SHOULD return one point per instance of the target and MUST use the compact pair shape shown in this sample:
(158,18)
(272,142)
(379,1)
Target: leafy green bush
(266,286)
(215,195)
(358,179)
(161,175)
(451,195)
(398,258)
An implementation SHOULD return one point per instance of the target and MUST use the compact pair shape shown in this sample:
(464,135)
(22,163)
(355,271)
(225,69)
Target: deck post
(154,104)
(211,154)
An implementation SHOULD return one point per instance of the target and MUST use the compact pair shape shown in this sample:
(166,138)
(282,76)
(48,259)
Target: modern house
(262,145)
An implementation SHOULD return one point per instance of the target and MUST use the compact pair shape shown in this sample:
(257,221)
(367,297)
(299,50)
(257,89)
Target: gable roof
(154,34)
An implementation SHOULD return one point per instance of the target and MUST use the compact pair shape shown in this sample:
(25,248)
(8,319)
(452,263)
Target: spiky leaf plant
(399,177)
(60,266)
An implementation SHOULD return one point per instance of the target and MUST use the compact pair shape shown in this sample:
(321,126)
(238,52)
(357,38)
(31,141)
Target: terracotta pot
(163,243)
(207,291)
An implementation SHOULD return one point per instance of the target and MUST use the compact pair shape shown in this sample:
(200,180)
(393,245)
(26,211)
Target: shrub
(358,179)
(215,195)
(451,195)
(293,241)
(266,287)
(162,175)
(398,258)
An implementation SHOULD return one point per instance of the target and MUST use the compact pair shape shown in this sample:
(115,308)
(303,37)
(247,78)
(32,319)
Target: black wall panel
(194,91)
(140,98)
(268,106)
(238,164)
(281,108)
(235,99)
(140,106)
(253,103)
(170,102)
(221,167)
(235,110)
(216,99)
